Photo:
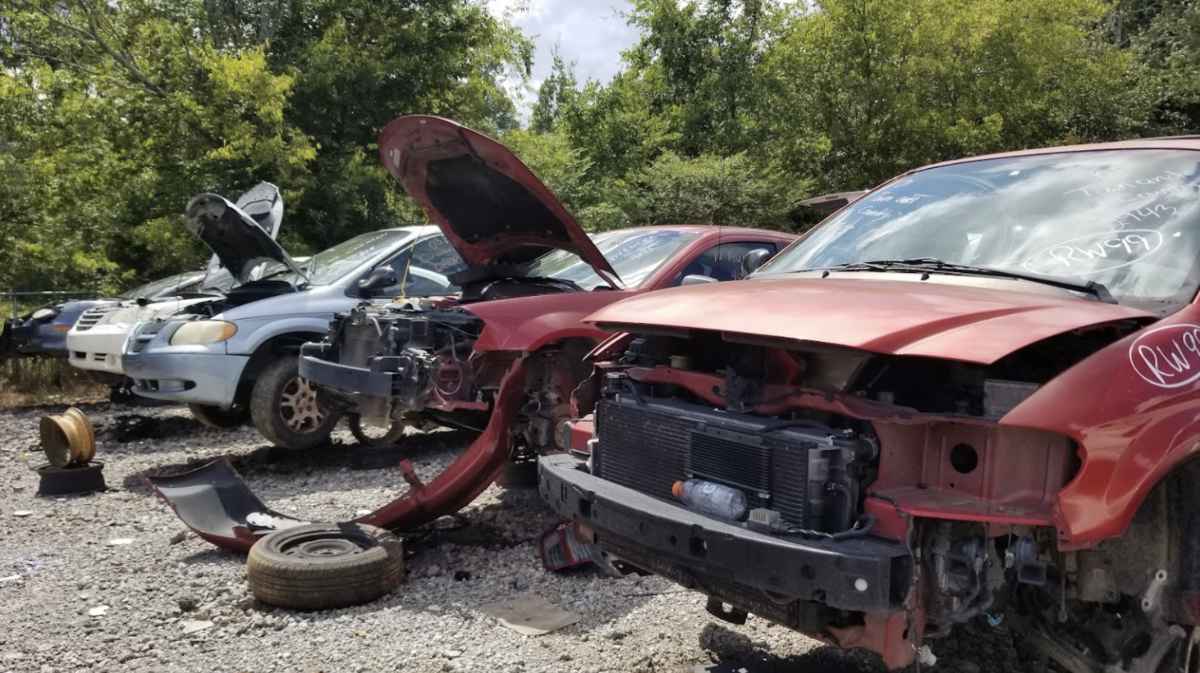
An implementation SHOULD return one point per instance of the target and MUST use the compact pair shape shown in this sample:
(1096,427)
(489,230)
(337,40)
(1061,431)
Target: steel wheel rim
(325,545)
(327,548)
(299,406)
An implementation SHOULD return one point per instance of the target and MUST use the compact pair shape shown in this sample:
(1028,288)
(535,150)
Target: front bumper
(864,574)
(98,349)
(345,379)
(34,338)
(195,378)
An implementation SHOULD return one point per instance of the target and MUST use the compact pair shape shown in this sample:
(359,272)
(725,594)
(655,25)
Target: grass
(33,381)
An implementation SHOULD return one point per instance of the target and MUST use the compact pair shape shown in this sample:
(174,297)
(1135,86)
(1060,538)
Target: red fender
(1134,410)
(472,472)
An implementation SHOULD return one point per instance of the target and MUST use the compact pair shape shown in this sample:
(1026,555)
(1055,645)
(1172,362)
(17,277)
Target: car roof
(712,229)
(1189,142)
(417,229)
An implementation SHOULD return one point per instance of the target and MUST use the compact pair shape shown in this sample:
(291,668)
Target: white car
(97,338)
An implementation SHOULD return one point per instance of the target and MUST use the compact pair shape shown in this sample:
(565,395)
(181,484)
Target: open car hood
(489,205)
(900,316)
(241,235)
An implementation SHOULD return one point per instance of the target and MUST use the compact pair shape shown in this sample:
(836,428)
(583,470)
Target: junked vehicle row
(58,330)
(967,396)
(97,338)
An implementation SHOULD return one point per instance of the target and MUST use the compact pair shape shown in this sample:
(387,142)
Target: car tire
(366,438)
(221,419)
(324,566)
(288,410)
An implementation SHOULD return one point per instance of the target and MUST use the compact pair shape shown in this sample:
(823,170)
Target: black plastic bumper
(862,574)
(343,378)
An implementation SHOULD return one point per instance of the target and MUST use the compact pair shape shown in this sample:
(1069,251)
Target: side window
(423,269)
(436,254)
(425,283)
(723,262)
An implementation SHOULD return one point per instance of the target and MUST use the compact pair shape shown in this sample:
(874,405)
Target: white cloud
(590,33)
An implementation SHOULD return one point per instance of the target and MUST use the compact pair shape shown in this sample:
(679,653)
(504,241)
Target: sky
(590,33)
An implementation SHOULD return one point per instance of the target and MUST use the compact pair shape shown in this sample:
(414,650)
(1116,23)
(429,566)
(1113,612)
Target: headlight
(203,332)
(44,313)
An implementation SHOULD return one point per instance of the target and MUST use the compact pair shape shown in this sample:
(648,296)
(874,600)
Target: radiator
(648,445)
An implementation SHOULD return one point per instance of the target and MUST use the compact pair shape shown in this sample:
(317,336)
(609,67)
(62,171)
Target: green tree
(143,103)
(1166,39)
(691,85)
(357,65)
(561,166)
(863,89)
(132,118)
(556,94)
(705,58)
(616,126)
(708,189)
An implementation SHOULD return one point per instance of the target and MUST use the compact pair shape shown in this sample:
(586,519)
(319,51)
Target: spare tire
(323,566)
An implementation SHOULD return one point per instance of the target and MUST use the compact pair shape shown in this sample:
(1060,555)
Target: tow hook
(1153,595)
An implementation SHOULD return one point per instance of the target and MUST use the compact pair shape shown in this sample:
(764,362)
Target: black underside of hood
(496,203)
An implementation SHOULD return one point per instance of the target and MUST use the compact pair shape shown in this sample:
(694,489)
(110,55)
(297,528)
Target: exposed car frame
(1061,496)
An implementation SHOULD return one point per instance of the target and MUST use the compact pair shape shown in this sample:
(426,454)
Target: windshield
(633,253)
(331,264)
(1124,218)
(163,286)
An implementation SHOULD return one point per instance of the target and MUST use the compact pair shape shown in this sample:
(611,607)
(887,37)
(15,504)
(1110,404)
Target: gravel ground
(86,598)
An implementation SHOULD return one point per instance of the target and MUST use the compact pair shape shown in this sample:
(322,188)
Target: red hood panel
(490,206)
(930,319)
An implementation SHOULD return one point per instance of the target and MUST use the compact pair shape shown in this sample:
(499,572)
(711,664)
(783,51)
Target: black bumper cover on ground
(720,553)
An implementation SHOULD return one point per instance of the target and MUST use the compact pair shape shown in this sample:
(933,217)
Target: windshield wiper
(928,264)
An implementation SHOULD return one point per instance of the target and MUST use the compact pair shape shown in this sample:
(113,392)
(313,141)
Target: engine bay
(829,443)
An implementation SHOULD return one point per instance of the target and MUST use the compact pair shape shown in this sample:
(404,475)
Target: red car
(970,396)
(506,354)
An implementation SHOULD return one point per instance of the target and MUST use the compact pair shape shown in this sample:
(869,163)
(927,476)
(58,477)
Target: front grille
(649,445)
(90,317)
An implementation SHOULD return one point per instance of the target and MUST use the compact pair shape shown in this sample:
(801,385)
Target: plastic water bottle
(710,498)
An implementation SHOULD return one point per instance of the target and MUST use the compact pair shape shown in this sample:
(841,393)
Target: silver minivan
(237,357)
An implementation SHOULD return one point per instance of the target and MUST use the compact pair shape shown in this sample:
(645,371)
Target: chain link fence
(17,302)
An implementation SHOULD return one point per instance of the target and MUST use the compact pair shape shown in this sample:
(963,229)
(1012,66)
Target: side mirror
(380,277)
(754,259)
(696,279)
